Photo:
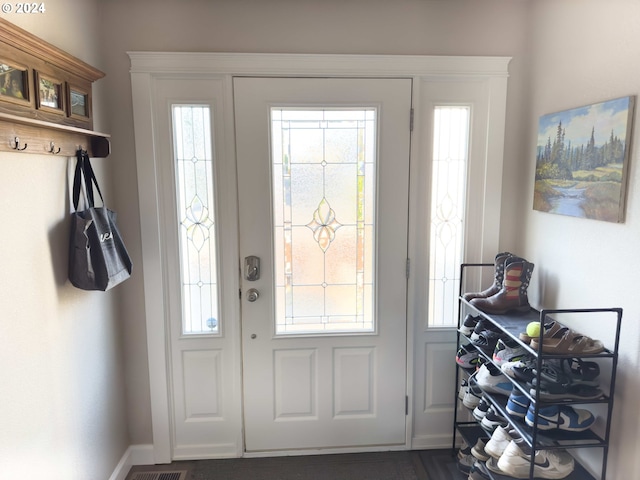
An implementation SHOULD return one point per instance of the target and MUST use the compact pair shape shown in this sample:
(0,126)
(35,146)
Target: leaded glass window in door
(194,177)
(448,196)
(323,174)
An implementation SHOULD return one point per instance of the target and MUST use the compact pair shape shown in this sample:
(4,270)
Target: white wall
(62,403)
(585,52)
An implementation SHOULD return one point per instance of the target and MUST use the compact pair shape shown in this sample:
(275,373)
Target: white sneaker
(493,381)
(554,464)
(507,367)
(472,393)
(504,352)
(498,442)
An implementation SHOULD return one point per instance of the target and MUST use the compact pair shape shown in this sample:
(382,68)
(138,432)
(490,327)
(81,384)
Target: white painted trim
(428,442)
(145,66)
(134,455)
(314,65)
(154,291)
(496,124)
(325,451)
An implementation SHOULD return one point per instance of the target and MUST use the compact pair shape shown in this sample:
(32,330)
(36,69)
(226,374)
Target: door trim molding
(147,66)
(317,64)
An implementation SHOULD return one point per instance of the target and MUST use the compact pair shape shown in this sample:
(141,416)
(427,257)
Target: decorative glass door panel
(451,129)
(196,218)
(323,173)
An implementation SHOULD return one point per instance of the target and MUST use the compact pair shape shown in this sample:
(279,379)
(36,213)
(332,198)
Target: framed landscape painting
(582,158)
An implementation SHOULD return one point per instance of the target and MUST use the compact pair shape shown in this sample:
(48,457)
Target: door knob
(253,294)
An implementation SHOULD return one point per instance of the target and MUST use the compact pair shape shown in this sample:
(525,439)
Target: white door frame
(146,67)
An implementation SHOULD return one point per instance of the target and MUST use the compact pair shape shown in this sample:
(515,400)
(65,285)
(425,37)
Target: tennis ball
(533,329)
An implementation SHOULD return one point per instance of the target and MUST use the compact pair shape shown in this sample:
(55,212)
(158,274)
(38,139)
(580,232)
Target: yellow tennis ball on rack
(533,329)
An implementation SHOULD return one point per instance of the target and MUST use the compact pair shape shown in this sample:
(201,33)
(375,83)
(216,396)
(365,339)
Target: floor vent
(175,475)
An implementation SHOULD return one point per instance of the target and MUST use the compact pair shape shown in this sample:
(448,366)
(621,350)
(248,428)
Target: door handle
(251,268)
(253,295)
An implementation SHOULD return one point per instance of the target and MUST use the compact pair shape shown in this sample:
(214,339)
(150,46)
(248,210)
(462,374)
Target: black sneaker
(469,324)
(481,410)
(487,341)
(483,325)
(493,420)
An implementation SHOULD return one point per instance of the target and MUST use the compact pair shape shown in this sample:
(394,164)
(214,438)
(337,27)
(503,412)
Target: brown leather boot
(497,282)
(513,294)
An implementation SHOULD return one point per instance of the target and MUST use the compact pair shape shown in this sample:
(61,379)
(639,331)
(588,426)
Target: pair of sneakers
(505,351)
(549,417)
(515,462)
(559,417)
(511,456)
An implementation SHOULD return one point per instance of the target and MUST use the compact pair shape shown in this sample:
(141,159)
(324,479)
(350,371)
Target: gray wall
(63,413)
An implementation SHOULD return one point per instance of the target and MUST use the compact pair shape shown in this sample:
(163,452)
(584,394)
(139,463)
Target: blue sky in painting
(578,123)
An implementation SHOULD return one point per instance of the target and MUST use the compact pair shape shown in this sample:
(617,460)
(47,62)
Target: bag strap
(90,178)
(77,184)
(84,169)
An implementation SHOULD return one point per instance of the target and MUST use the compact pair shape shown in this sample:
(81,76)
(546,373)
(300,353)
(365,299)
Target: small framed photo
(50,94)
(79,102)
(14,83)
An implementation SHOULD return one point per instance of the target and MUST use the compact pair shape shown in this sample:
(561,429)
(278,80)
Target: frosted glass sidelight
(196,218)
(448,194)
(323,168)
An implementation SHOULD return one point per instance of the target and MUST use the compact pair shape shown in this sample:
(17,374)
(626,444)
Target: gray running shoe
(478,450)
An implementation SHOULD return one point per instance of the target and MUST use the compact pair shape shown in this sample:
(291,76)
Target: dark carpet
(441,464)
(410,465)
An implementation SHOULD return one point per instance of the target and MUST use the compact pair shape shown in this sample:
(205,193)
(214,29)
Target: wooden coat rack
(45,98)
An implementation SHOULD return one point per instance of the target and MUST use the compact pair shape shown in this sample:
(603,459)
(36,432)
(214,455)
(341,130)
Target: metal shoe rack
(513,325)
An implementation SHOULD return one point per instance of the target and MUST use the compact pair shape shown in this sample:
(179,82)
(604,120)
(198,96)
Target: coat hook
(52,148)
(16,144)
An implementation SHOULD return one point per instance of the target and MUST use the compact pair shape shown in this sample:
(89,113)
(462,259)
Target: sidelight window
(448,196)
(196,218)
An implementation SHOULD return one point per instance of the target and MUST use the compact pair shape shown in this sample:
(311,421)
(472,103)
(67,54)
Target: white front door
(323,171)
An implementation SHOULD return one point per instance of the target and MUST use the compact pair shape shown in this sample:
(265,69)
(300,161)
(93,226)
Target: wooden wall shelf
(40,137)
(45,98)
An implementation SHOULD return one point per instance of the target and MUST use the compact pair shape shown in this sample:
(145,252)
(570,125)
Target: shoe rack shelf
(512,325)
(471,432)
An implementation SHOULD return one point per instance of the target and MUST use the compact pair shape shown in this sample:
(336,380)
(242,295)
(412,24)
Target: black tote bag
(98,258)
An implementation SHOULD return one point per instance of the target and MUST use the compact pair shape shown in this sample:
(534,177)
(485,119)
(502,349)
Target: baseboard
(428,442)
(135,455)
(323,451)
